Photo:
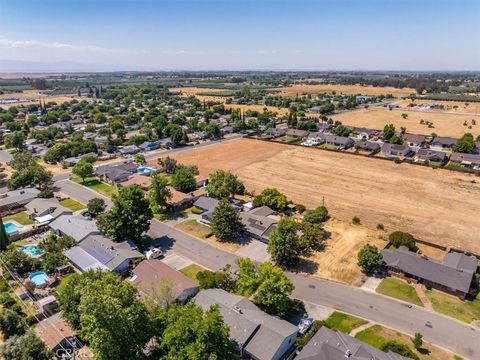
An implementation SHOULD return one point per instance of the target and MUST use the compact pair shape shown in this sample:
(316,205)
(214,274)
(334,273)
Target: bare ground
(344,89)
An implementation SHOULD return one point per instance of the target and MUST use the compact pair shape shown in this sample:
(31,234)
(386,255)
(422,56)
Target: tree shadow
(423,351)
(306,266)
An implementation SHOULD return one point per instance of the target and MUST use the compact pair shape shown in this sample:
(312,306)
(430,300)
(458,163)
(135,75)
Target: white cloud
(6,42)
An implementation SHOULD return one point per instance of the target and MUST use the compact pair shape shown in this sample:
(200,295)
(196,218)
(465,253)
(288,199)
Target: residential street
(79,192)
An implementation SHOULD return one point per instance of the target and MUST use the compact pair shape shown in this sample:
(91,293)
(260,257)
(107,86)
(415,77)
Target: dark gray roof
(337,140)
(20,196)
(262,211)
(428,154)
(276,131)
(359,130)
(258,333)
(260,226)
(465,158)
(444,141)
(297,133)
(116,173)
(455,271)
(75,226)
(206,203)
(396,149)
(367,145)
(327,344)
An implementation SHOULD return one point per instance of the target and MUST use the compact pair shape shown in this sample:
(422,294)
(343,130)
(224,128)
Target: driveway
(255,250)
(79,192)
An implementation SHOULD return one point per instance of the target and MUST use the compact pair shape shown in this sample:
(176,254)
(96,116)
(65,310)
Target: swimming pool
(11,227)
(32,250)
(146,169)
(38,278)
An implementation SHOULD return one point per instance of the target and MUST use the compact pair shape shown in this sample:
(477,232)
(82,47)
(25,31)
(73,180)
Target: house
(17,198)
(300,134)
(328,344)
(365,132)
(414,139)
(179,200)
(147,275)
(443,142)
(150,145)
(47,305)
(394,150)
(71,161)
(60,338)
(276,132)
(257,334)
(431,155)
(228,129)
(99,252)
(258,225)
(454,274)
(341,142)
(129,150)
(207,205)
(43,210)
(315,109)
(142,180)
(324,127)
(75,226)
(366,145)
(115,174)
(470,160)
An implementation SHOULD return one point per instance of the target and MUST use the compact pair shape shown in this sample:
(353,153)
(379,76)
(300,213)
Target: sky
(241,34)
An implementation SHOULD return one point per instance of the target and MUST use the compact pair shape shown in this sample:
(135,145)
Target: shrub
(399,238)
(196,210)
(397,160)
(356,220)
(300,208)
(380,227)
(400,349)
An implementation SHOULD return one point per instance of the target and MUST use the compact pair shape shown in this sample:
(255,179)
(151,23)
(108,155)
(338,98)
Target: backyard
(20,217)
(399,289)
(98,186)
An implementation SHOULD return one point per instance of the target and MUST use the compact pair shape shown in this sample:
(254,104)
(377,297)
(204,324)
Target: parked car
(304,325)
(154,253)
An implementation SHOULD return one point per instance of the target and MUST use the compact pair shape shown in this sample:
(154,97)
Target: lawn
(399,289)
(195,228)
(468,310)
(343,322)
(377,336)
(98,186)
(72,204)
(21,218)
(191,271)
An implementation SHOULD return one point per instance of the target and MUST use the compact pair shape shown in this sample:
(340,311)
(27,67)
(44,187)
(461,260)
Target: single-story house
(443,142)
(207,205)
(470,160)
(179,200)
(257,225)
(366,145)
(150,145)
(324,127)
(393,150)
(17,198)
(129,150)
(99,252)
(276,132)
(300,134)
(454,274)
(71,161)
(365,132)
(149,274)
(116,173)
(414,139)
(431,155)
(75,226)
(341,142)
(228,129)
(142,180)
(43,210)
(328,344)
(257,334)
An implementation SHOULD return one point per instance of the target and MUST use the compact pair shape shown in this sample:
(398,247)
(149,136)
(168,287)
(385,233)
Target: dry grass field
(445,123)
(343,89)
(32,97)
(450,106)
(435,205)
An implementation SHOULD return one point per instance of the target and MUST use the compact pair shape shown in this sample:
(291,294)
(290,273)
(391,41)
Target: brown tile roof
(178,196)
(139,179)
(53,330)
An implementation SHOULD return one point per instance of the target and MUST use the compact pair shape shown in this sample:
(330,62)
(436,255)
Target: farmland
(32,97)
(450,106)
(445,123)
(435,205)
(343,89)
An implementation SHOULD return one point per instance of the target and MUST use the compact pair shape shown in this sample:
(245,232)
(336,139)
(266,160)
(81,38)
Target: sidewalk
(424,298)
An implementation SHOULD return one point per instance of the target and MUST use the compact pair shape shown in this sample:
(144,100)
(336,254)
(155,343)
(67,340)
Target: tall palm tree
(3,237)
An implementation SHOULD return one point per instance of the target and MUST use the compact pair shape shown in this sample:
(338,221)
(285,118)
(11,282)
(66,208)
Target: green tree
(369,258)
(187,332)
(52,260)
(400,238)
(221,279)
(247,279)
(17,261)
(271,197)
(396,140)
(83,169)
(159,194)
(283,243)
(11,323)
(15,140)
(54,243)
(168,164)
(184,180)
(417,341)
(388,132)
(224,184)
(466,144)
(400,349)
(316,216)
(129,216)
(226,224)
(139,159)
(34,175)
(311,238)
(21,160)
(96,206)
(25,347)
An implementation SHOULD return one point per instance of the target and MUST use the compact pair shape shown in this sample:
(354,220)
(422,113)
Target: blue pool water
(38,278)
(146,169)
(32,250)
(11,227)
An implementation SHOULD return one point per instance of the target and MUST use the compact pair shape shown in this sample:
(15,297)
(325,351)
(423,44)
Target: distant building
(395,150)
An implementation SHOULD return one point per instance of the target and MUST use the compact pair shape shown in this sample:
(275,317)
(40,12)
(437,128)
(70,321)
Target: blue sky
(245,34)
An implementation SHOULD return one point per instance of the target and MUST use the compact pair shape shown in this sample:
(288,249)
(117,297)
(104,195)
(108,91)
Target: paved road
(79,192)
(448,333)
(5,157)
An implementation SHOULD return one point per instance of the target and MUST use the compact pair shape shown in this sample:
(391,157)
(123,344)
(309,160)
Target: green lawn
(191,271)
(194,228)
(372,336)
(21,218)
(464,310)
(399,289)
(98,186)
(343,322)
(72,204)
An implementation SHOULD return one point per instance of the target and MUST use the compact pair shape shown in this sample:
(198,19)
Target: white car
(154,253)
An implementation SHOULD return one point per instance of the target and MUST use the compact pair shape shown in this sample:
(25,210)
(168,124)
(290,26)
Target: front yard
(72,204)
(98,186)
(21,218)
(467,310)
(343,322)
(399,289)
(191,271)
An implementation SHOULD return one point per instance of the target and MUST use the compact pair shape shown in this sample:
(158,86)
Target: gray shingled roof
(75,226)
(258,333)
(20,196)
(455,271)
(260,226)
(327,344)
(206,203)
